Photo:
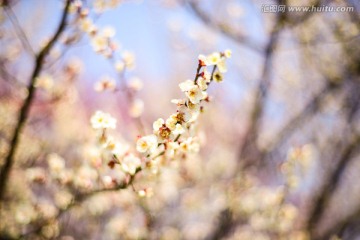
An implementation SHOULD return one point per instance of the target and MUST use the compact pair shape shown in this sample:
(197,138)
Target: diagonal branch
(309,109)
(24,111)
(334,177)
(332,184)
(248,146)
(205,18)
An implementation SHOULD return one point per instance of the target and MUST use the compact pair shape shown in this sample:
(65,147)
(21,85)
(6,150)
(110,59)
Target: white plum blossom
(179,129)
(222,66)
(195,94)
(101,120)
(158,124)
(213,58)
(190,145)
(194,91)
(188,114)
(146,144)
(130,163)
(227,53)
(172,121)
(171,138)
(202,83)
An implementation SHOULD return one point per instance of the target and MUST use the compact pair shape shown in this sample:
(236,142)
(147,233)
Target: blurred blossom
(36,174)
(63,199)
(45,81)
(56,163)
(48,210)
(101,120)
(135,83)
(25,214)
(130,163)
(136,108)
(105,83)
(51,231)
(129,59)
(119,66)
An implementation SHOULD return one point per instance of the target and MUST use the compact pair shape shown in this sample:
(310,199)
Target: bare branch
(226,30)
(332,184)
(248,146)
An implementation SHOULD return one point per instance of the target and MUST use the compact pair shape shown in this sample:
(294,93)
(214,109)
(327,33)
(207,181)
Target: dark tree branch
(24,111)
(340,226)
(248,149)
(331,185)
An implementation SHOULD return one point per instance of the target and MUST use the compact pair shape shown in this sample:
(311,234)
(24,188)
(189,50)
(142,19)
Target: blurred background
(279,138)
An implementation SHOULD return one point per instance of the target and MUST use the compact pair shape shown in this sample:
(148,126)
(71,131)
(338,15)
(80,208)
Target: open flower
(222,66)
(184,114)
(101,120)
(227,53)
(172,121)
(195,94)
(190,145)
(147,144)
(179,129)
(202,83)
(158,124)
(213,58)
(186,85)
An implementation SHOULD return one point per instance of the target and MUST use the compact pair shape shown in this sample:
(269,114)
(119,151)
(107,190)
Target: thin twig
(242,39)
(18,30)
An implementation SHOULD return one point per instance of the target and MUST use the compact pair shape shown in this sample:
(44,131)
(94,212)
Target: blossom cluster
(173,137)
(297,164)
(103,43)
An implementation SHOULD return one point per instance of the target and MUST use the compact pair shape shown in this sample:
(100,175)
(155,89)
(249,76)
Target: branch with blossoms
(172,138)
(104,44)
